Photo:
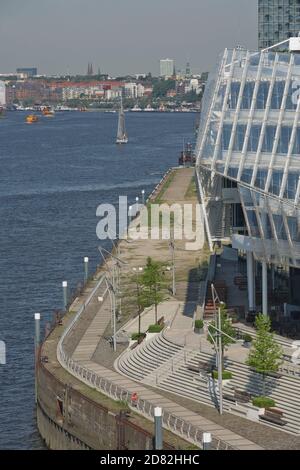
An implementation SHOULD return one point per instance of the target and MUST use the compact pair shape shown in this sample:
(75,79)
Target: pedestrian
(134,399)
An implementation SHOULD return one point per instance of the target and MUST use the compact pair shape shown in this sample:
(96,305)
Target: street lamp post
(136,271)
(172,248)
(143,197)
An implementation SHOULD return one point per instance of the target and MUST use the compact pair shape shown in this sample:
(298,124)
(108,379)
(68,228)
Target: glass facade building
(277,21)
(248,155)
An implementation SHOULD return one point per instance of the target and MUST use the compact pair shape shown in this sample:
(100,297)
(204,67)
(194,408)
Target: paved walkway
(84,353)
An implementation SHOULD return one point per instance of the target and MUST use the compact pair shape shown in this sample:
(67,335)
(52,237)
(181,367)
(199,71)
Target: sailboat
(121,136)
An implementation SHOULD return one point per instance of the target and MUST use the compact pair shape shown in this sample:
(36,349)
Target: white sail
(122,135)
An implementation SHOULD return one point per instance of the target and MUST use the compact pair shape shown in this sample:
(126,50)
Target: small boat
(122,137)
(48,112)
(31,118)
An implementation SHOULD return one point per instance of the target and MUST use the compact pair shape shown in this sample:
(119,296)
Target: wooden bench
(274,417)
(161,321)
(206,366)
(242,397)
(229,397)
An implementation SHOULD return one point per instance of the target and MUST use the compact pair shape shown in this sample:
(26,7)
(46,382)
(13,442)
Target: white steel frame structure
(249,140)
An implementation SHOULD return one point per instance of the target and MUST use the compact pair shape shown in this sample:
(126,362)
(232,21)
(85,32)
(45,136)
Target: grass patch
(263,402)
(192,189)
(226,375)
(137,336)
(155,328)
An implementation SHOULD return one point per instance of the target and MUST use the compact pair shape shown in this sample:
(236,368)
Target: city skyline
(121,39)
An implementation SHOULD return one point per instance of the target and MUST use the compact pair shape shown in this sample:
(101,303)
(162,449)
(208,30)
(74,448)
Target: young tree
(266,354)
(226,327)
(152,282)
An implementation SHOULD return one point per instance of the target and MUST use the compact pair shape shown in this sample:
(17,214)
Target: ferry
(31,118)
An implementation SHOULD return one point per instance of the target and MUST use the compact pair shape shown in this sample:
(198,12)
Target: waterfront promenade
(92,354)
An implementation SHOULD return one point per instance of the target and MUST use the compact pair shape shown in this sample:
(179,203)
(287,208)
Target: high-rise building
(277,21)
(167,67)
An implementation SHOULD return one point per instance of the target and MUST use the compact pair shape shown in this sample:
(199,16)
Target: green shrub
(155,328)
(136,336)
(199,324)
(248,339)
(263,402)
(225,376)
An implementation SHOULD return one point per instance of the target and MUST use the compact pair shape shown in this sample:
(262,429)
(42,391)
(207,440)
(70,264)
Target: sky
(121,36)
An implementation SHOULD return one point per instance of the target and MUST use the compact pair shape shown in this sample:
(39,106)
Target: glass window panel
(284,140)
(234,95)
(269,137)
(252,219)
(226,135)
(247,95)
(291,186)
(279,227)
(262,95)
(277,94)
(254,138)
(261,179)
(266,225)
(247,175)
(240,137)
(276,181)
(296,149)
(294,228)
(232,172)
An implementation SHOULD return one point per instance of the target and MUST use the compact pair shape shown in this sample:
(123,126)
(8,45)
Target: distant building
(2,94)
(167,67)
(134,90)
(277,21)
(27,72)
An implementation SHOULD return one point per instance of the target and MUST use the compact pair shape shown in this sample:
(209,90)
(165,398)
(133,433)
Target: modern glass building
(248,160)
(277,21)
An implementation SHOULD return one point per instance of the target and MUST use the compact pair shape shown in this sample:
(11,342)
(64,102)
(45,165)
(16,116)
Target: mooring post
(65,294)
(37,321)
(206,440)
(86,269)
(158,428)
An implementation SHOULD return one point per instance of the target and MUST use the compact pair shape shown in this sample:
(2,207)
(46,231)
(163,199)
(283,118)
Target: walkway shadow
(192,293)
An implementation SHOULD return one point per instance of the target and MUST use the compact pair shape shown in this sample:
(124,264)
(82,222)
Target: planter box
(199,331)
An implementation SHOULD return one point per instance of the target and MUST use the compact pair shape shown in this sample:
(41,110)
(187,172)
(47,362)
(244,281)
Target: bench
(229,397)
(273,417)
(202,366)
(161,321)
(241,396)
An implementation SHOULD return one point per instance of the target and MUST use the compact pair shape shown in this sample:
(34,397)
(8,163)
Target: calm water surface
(53,175)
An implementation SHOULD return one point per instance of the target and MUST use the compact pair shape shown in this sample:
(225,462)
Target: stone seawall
(69,420)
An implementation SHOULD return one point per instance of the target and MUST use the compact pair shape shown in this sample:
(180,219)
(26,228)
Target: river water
(53,175)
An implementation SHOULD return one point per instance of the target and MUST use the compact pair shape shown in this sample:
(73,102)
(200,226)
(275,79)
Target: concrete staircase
(164,365)
(147,358)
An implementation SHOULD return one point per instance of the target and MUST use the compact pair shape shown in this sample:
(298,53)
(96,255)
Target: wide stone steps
(160,363)
(285,391)
(145,359)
